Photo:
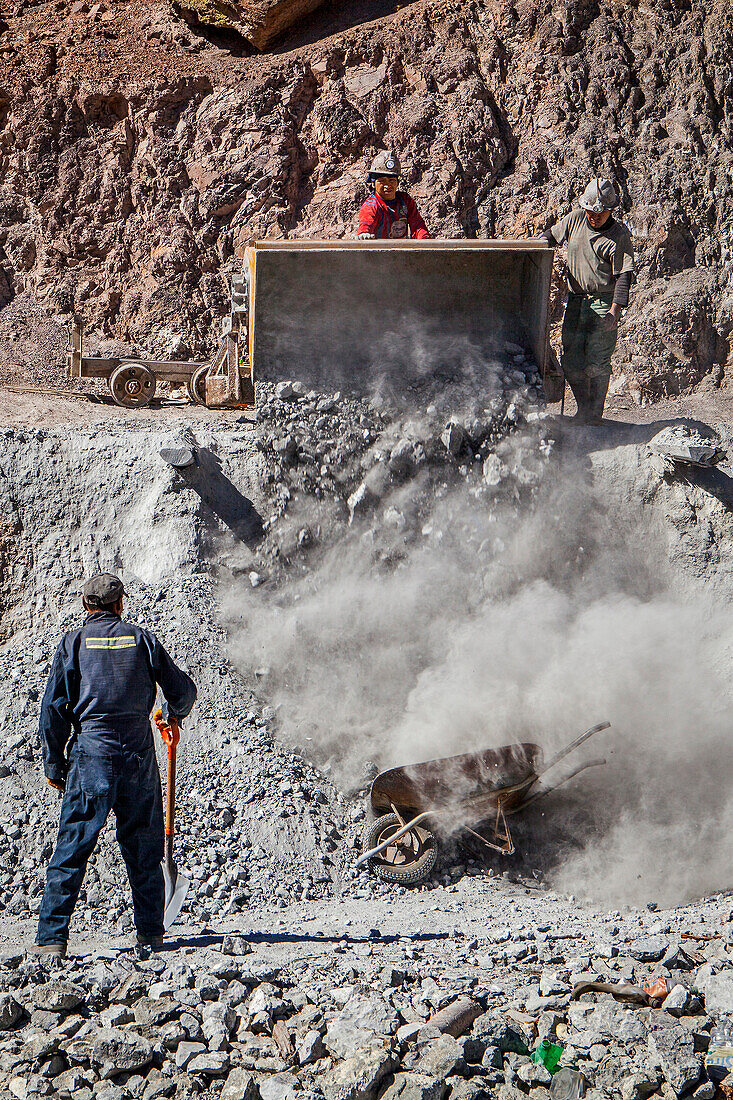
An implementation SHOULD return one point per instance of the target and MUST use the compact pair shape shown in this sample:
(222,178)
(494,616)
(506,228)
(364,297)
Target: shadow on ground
(221,498)
(582,440)
(207,939)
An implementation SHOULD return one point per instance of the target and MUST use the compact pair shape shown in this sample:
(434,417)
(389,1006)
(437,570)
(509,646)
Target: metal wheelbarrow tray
(456,792)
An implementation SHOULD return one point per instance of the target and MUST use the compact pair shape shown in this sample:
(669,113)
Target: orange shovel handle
(171,734)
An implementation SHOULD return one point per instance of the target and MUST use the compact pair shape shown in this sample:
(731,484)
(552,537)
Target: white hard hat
(599,195)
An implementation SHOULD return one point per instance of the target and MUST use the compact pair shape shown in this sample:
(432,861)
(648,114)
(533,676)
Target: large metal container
(349,314)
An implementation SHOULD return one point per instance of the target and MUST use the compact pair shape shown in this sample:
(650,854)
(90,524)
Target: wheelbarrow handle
(573,745)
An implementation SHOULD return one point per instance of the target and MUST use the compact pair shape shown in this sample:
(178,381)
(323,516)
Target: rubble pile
(379,1015)
(381,462)
(365,465)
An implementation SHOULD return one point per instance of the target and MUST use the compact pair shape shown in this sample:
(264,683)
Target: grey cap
(385,164)
(599,195)
(103,590)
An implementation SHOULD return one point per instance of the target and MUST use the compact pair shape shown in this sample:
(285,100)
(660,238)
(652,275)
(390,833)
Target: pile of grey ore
(380,463)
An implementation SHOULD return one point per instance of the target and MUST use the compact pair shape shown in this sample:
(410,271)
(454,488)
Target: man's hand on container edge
(366,237)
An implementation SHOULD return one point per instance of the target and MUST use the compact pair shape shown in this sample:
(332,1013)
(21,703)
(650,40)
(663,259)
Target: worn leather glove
(366,237)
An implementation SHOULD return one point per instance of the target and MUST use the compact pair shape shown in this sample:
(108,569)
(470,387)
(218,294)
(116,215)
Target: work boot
(152,943)
(49,950)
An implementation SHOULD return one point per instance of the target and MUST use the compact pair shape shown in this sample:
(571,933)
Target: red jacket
(376,217)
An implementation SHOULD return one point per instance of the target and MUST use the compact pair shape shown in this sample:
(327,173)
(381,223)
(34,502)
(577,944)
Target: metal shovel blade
(176,888)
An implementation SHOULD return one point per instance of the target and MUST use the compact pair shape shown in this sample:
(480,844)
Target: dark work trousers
(587,347)
(129,784)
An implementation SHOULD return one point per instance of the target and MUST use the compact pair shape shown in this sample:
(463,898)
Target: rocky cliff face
(137,158)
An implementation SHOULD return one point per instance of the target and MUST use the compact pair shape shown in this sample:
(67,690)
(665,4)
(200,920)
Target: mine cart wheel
(132,385)
(197,385)
(410,860)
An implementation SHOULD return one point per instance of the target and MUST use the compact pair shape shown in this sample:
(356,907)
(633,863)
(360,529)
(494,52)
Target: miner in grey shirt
(600,272)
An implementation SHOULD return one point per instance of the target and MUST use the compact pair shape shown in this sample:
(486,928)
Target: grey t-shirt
(596,257)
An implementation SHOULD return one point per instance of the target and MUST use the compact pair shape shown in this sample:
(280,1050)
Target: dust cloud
(500,627)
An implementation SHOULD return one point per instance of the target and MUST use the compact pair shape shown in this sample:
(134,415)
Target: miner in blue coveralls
(98,749)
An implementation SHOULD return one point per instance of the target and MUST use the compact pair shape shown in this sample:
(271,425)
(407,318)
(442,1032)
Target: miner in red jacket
(388,213)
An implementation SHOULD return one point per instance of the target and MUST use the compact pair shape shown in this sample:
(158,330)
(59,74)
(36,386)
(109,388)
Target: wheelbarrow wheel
(407,862)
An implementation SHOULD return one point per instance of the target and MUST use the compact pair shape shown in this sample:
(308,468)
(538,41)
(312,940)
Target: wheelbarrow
(457,792)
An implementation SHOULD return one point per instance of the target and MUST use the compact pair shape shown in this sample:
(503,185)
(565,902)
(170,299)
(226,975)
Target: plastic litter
(719,1057)
(547,1054)
(658,990)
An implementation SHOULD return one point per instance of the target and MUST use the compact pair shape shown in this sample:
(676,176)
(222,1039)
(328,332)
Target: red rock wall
(130,198)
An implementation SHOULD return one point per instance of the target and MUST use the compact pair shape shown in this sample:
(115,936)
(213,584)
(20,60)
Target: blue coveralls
(100,692)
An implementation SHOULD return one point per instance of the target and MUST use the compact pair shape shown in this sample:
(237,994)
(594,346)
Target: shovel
(176,884)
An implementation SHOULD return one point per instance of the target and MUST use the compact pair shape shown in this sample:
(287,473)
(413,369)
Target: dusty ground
(33,409)
(425,922)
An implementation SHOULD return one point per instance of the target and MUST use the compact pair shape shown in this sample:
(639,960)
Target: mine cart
(221,382)
(131,381)
(456,793)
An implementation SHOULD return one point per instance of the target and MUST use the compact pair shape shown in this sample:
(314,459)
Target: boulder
(533,1074)
(58,996)
(638,1086)
(259,21)
(236,945)
(673,1050)
(650,949)
(185,1052)
(117,1051)
(364,1019)
(149,1011)
(10,1011)
(358,1077)
(475,1088)
(496,1032)
(311,1048)
(212,1063)
(717,989)
(218,1020)
(280,1086)
(607,1020)
(240,1085)
(441,1058)
(455,438)
(415,1086)
(677,1001)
